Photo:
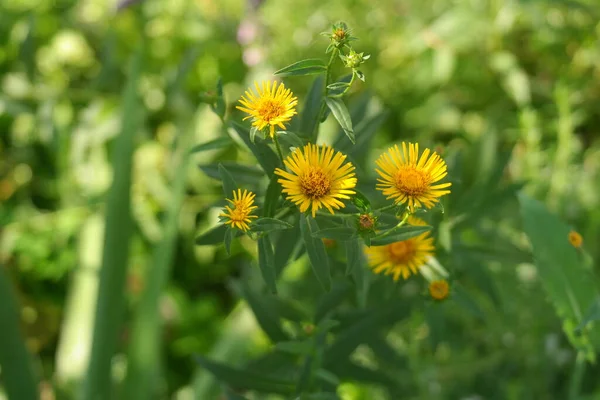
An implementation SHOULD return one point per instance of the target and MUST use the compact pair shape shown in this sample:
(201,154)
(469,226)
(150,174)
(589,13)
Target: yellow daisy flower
(273,106)
(406,178)
(239,215)
(439,290)
(402,258)
(317,179)
(575,239)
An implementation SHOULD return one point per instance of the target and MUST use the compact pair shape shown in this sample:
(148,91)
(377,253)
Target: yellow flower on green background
(575,239)
(407,178)
(273,106)
(403,258)
(318,178)
(239,215)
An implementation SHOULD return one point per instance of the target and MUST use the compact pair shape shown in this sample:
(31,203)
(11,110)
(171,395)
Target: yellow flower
(239,215)
(273,106)
(406,178)
(317,178)
(439,290)
(575,239)
(402,258)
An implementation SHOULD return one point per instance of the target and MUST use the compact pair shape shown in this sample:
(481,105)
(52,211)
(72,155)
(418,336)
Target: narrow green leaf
(592,314)
(266,262)
(227,240)
(288,309)
(316,252)
(339,292)
(290,139)
(309,117)
(213,236)
(272,197)
(214,144)
(294,347)
(340,112)
(110,306)
(266,224)
(245,174)
(339,233)
(220,107)
(354,255)
(361,202)
(398,234)
(265,313)
(338,87)
(253,131)
(569,284)
(266,157)
(246,379)
(229,185)
(17,368)
(310,66)
(286,245)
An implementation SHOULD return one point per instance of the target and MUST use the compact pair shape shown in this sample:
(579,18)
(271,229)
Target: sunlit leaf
(340,112)
(305,67)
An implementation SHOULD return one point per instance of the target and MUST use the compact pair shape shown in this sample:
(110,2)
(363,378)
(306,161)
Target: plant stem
(347,88)
(279,152)
(325,91)
(389,207)
(577,377)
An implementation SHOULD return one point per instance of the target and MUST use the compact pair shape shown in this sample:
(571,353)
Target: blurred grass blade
(229,184)
(340,112)
(310,66)
(111,299)
(16,363)
(316,251)
(570,286)
(246,379)
(144,352)
(266,263)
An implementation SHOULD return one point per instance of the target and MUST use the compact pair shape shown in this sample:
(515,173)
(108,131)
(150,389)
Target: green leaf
(111,302)
(246,379)
(272,197)
(339,233)
(398,234)
(464,299)
(569,284)
(227,240)
(266,224)
(243,173)
(289,309)
(354,255)
(361,202)
(213,236)
(338,86)
(340,112)
(17,366)
(266,157)
(229,185)
(339,292)
(434,315)
(286,245)
(220,108)
(290,139)
(265,313)
(336,89)
(230,395)
(316,251)
(214,144)
(294,347)
(310,66)
(592,314)
(309,117)
(266,262)
(253,131)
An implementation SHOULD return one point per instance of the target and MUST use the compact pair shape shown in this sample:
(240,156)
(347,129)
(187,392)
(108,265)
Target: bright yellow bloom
(273,106)
(317,178)
(575,239)
(406,178)
(439,290)
(402,258)
(239,215)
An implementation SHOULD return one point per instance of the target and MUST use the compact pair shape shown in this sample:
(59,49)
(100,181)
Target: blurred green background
(476,77)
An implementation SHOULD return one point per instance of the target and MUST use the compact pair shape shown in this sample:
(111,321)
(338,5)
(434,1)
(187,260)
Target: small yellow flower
(273,106)
(319,178)
(575,239)
(402,258)
(439,290)
(408,178)
(329,243)
(239,215)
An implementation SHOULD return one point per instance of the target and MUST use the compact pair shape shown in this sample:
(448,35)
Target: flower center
(411,181)
(315,184)
(438,290)
(402,252)
(238,213)
(270,109)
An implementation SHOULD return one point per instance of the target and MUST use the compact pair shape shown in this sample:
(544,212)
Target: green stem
(279,152)
(347,88)
(577,377)
(325,91)
(391,206)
